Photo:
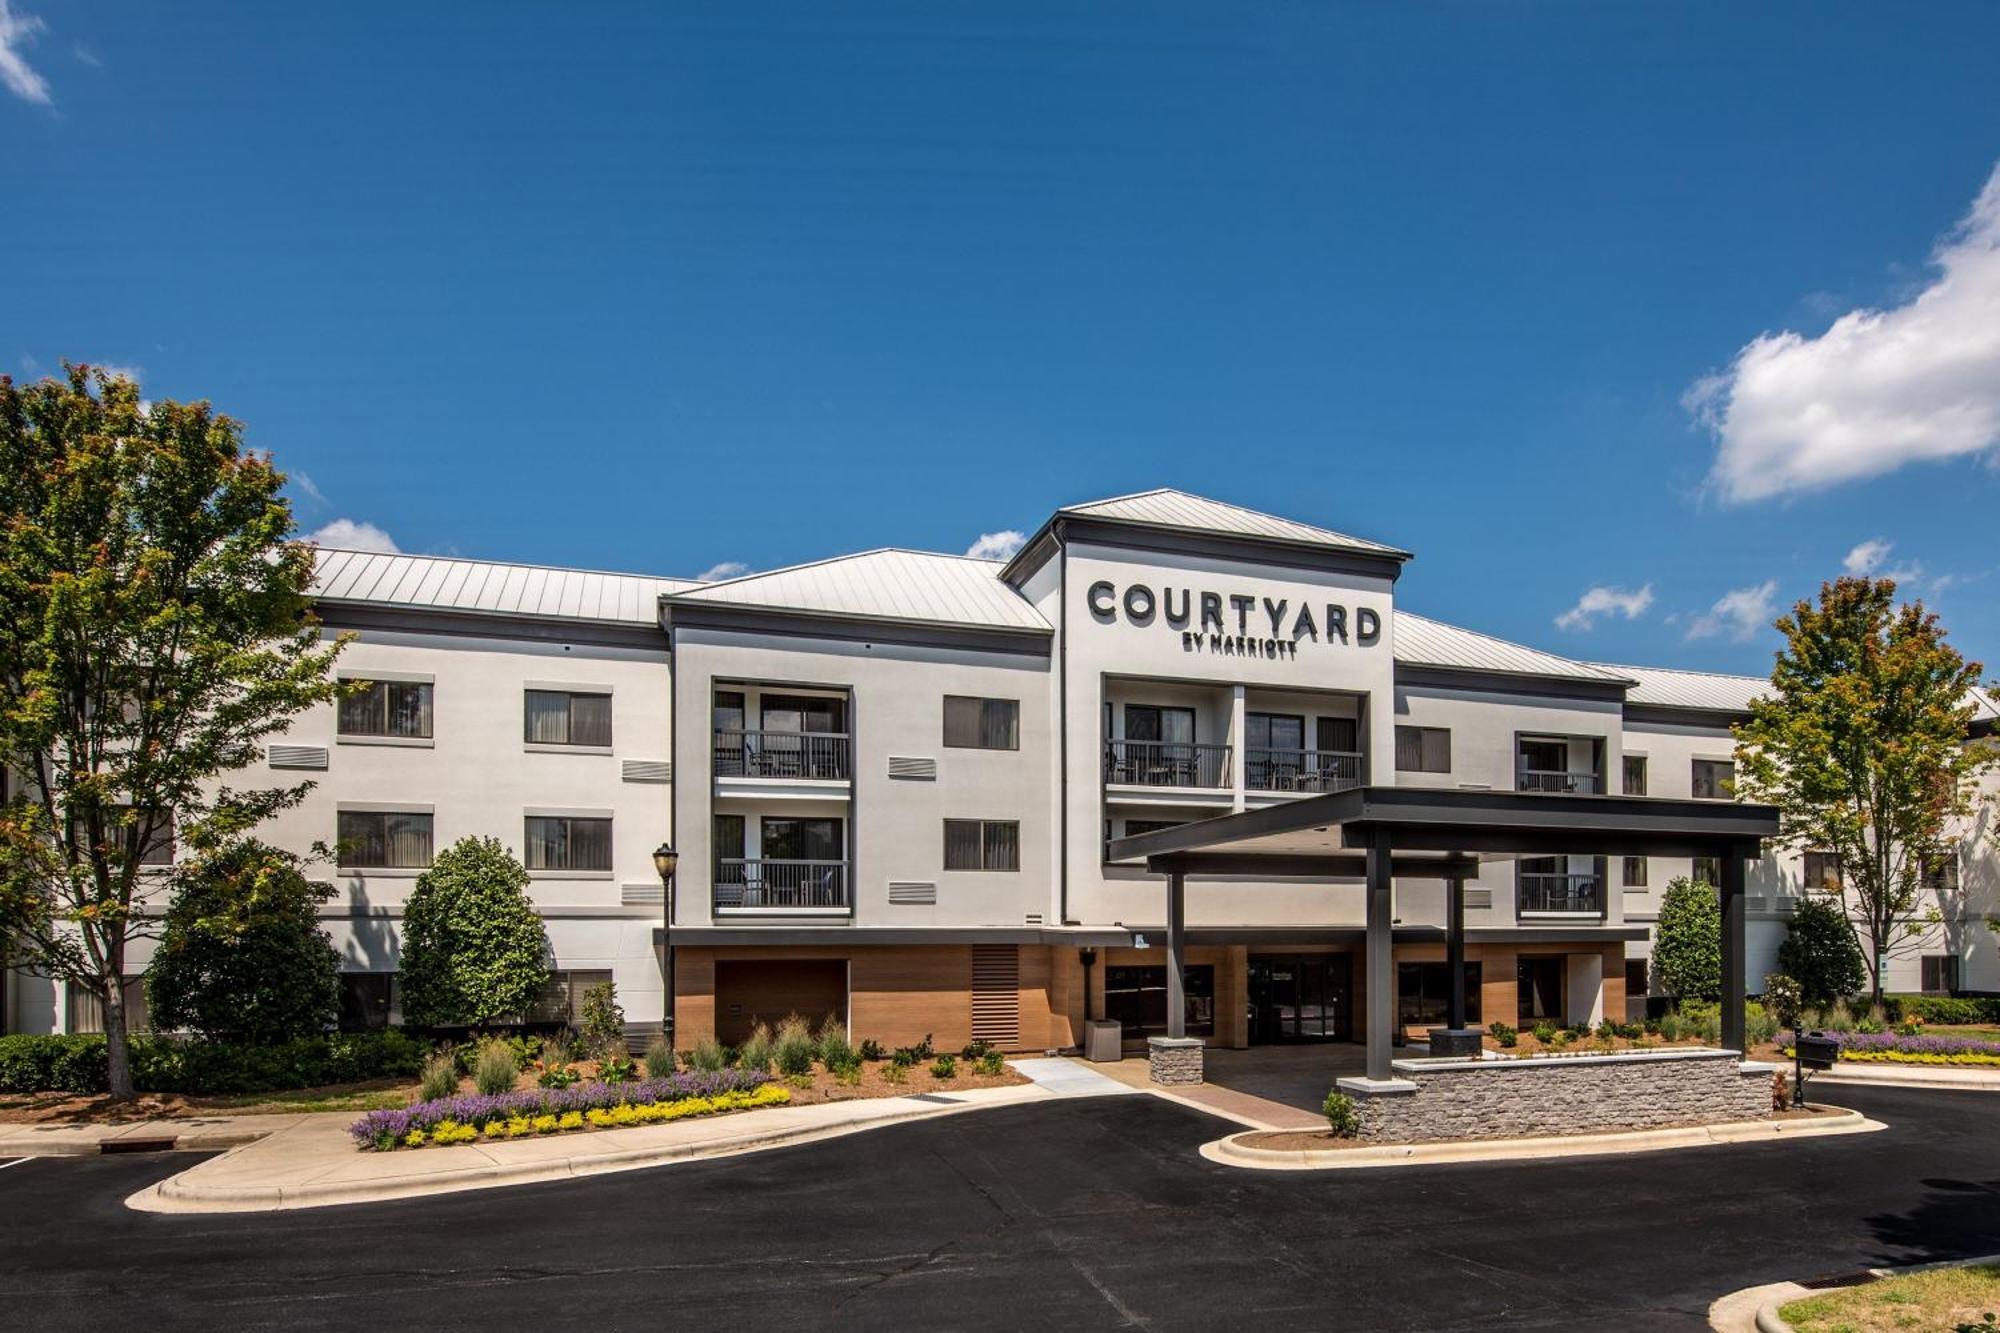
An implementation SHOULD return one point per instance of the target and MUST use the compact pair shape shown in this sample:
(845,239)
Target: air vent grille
(1478,897)
(918,768)
(648,770)
(642,895)
(912,893)
(996,994)
(297,756)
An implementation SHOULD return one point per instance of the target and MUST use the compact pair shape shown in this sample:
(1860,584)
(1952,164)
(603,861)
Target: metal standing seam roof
(1712,691)
(921,587)
(1166,508)
(1421,641)
(493,587)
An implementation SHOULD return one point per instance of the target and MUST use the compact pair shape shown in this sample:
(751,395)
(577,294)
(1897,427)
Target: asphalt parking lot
(1089,1213)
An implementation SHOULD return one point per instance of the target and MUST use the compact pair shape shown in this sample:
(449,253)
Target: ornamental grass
(461,1119)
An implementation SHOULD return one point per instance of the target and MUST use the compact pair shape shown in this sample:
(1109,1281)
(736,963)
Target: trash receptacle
(1103,1041)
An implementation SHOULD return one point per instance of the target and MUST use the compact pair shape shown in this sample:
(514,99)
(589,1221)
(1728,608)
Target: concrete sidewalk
(312,1162)
(208,1133)
(1886,1075)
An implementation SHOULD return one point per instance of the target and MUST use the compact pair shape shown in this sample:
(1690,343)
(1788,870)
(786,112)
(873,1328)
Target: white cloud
(86,56)
(307,487)
(16,31)
(1740,613)
(1604,600)
(999,545)
(1868,556)
(1877,390)
(728,569)
(350,535)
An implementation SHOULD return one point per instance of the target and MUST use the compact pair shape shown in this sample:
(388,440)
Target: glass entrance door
(1307,997)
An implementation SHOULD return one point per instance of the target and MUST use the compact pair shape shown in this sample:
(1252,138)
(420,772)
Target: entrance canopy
(1382,834)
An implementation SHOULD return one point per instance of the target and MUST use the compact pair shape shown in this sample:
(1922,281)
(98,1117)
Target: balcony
(778,886)
(792,755)
(1557,893)
(1266,769)
(1556,780)
(1166,764)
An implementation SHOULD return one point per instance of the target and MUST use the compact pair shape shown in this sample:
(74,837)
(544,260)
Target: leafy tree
(1687,944)
(154,627)
(1861,744)
(1820,953)
(474,950)
(242,954)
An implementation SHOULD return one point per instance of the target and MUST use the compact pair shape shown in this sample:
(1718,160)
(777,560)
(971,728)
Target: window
(1713,779)
(156,850)
(1940,973)
(1423,994)
(395,708)
(386,840)
(809,714)
(791,839)
(564,717)
(1708,870)
(1637,983)
(567,842)
(1941,872)
(1136,998)
(1423,750)
(1168,726)
(562,995)
(1274,731)
(368,1000)
(982,844)
(1134,827)
(1821,873)
(86,1011)
(1635,775)
(1635,872)
(982,724)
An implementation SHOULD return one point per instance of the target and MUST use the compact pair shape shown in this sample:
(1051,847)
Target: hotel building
(892,778)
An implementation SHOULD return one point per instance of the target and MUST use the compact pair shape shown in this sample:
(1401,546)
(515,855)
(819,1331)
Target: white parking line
(16,1162)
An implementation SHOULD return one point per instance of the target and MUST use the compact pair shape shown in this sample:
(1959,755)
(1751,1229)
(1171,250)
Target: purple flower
(379,1129)
(1892,1042)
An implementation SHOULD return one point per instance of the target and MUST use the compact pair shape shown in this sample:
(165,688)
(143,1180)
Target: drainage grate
(934,1097)
(109,1146)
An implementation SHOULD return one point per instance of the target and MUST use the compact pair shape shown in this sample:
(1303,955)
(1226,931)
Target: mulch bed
(1323,1140)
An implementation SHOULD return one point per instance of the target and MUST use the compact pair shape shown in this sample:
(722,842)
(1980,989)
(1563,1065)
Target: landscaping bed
(1325,1140)
(1942,1298)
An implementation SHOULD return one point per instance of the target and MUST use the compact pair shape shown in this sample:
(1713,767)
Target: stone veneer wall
(1509,1098)
(1175,1061)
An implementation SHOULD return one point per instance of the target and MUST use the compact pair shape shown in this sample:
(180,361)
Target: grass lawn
(1945,1298)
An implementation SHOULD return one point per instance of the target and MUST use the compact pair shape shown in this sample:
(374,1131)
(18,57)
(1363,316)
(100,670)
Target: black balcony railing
(765,883)
(1555,780)
(782,754)
(1166,764)
(1567,893)
(1268,769)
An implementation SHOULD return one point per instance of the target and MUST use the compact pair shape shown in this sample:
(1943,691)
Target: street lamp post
(665,858)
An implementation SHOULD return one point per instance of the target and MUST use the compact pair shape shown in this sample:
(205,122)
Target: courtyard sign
(1234,624)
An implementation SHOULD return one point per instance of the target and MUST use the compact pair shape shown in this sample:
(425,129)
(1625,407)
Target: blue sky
(1681,303)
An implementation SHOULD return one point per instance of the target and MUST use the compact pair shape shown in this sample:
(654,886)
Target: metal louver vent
(648,770)
(296,756)
(1478,897)
(921,768)
(1034,918)
(996,994)
(913,893)
(642,895)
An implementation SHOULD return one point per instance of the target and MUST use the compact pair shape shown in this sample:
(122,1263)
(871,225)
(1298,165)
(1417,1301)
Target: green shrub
(1545,1032)
(241,954)
(707,1056)
(76,1063)
(1759,1024)
(52,1064)
(560,1076)
(871,1049)
(903,1059)
(993,1062)
(756,1051)
(1503,1033)
(495,1068)
(603,1022)
(1783,997)
(835,1051)
(974,1051)
(526,1049)
(474,948)
(1341,1117)
(616,1068)
(1945,1008)
(440,1077)
(659,1058)
(918,1053)
(895,1071)
(1670,1027)
(945,1066)
(1821,951)
(792,1048)
(1839,1018)
(1702,1019)
(848,1075)
(559,1049)
(1687,948)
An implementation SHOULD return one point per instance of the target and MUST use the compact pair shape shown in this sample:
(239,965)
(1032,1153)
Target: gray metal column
(1380,962)
(1734,948)
(1454,949)
(1176,953)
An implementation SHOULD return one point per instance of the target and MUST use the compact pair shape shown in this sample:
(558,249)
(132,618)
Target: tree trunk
(117,1049)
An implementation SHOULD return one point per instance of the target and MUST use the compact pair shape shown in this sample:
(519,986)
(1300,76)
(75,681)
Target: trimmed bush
(474,948)
(1820,950)
(168,1064)
(945,1066)
(1687,949)
(1341,1117)
(1944,1008)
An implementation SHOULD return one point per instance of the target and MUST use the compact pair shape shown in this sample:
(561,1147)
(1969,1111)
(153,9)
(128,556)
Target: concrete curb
(1230,1151)
(198,1141)
(180,1194)
(1887,1075)
(1780,1294)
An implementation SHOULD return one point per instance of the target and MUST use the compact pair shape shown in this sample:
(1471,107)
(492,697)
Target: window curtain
(409,709)
(409,840)
(962,844)
(590,719)
(1003,845)
(548,717)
